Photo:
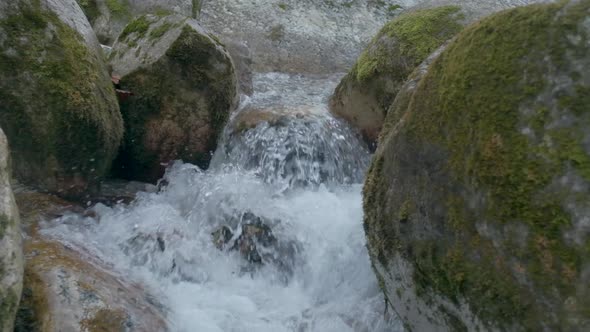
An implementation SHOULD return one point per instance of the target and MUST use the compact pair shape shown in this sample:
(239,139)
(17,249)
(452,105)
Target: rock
(11,252)
(299,36)
(221,237)
(256,243)
(184,87)
(476,203)
(109,17)
(57,104)
(364,95)
(68,289)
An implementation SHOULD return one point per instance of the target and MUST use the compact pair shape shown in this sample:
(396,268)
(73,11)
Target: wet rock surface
(67,288)
(184,87)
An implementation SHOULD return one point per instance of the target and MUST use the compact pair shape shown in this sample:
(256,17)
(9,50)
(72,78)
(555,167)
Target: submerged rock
(109,17)
(476,203)
(68,289)
(256,243)
(57,104)
(184,87)
(11,252)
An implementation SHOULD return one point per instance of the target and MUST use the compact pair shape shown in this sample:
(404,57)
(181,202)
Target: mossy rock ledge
(11,252)
(58,107)
(184,85)
(477,200)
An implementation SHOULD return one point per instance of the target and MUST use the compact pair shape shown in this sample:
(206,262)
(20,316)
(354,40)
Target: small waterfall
(270,238)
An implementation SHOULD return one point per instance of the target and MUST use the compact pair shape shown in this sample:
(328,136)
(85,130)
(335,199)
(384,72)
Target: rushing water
(302,178)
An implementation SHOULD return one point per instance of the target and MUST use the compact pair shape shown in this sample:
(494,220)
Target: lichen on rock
(184,86)
(57,104)
(492,154)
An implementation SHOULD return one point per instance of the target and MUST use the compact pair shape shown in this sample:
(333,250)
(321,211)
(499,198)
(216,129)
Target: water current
(298,180)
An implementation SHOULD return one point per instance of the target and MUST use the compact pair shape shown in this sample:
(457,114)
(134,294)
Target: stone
(184,87)
(66,288)
(57,105)
(109,17)
(11,251)
(365,94)
(476,202)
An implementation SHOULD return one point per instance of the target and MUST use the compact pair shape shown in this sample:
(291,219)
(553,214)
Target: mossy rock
(57,103)
(364,95)
(109,17)
(11,257)
(477,201)
(184,87)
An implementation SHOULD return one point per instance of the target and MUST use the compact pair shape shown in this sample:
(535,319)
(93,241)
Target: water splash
(317,277)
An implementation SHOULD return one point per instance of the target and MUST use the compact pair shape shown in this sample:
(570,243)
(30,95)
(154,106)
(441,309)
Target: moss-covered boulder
(57,103)
(68,289)
(477,202)
(364,95)
(11,252)
(109,17)
(184,86)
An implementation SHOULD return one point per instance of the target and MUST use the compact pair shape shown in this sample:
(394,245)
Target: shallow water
(306,189)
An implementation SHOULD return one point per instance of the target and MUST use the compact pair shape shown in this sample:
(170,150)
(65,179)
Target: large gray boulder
(57,103)
(109,17)
(476,203)
(364,95)
(11,252)
(184,85)
(300,36)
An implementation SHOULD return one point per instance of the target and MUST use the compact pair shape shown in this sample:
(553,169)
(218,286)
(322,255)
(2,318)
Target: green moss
(283,6)
(471,105)
(161,12)
(118,7)
(161,30)
(139,27)
(56,101)
(417,35)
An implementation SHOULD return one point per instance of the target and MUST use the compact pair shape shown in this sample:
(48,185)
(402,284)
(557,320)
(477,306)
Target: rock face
(11,254)
(69,289)
(301,36)
(57,104)
(364,95)
(476,203)
(184,86)
(109,17)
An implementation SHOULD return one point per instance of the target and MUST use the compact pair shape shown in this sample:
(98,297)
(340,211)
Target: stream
(299,180)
